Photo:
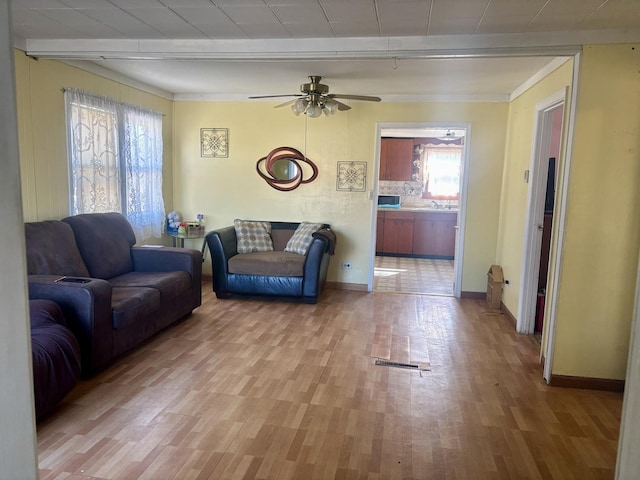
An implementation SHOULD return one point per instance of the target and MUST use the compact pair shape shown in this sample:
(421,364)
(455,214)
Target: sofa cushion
(253,236)
(169,284)
(302,237)
(133,304)
(275,263)
(52,250)
(280,237)
(104,241)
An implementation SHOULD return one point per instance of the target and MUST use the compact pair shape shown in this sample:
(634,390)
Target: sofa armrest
(223,245)
(224,240)
(315,267)
(87,310)
(167,259)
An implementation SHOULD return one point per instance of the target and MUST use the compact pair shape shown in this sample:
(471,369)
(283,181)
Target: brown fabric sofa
(270,273)
(113,295)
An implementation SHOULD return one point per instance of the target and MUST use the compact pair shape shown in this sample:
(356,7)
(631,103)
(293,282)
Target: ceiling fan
(448,136)
(315,99)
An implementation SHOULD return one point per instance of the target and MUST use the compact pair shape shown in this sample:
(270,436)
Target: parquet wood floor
(250,388)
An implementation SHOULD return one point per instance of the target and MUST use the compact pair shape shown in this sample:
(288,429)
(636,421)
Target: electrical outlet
(346,265)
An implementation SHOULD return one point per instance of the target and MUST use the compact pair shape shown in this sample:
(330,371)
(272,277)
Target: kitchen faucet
(435,204)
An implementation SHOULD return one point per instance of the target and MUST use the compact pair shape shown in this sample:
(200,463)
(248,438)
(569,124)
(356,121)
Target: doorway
(555,117)
(419,212)
(540,213)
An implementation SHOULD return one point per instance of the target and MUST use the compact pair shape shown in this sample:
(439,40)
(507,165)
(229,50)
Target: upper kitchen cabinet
(396,157)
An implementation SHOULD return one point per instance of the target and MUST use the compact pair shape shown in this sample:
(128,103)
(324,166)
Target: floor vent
(386,363)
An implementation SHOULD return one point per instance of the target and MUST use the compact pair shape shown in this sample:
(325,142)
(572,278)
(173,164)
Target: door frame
(458,257)
(560,212)
(538,170)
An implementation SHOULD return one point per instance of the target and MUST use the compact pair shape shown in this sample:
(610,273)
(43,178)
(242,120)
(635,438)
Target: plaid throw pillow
(301,238)
(253,236)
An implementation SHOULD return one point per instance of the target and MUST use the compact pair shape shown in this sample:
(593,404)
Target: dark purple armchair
(56,356)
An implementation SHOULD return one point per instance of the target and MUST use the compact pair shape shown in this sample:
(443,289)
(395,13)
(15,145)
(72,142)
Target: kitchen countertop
(420,209)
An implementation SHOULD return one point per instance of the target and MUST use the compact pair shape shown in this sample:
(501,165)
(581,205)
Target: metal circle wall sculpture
(291,175)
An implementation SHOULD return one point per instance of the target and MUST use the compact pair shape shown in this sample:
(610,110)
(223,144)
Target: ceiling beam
(436,46)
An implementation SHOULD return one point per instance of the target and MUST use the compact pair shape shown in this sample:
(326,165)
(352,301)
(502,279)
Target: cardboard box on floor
(495,279)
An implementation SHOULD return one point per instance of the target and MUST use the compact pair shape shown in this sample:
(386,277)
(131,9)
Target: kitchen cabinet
(425,234)
(424,241)
(396,159)
(434,233)
(380,231)
(398,232)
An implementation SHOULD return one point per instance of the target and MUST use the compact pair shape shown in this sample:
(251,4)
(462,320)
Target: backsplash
(411,194)
(410,189)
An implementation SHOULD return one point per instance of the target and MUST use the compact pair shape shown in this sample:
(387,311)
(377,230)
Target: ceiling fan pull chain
(306,120)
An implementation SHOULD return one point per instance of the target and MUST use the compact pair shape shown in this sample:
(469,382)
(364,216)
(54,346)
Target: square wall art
(214,142)
(352,176)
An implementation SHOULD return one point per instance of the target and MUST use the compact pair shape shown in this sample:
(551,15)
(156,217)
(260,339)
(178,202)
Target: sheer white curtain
(442,167)
(115,160)
(92,126)
(142,156)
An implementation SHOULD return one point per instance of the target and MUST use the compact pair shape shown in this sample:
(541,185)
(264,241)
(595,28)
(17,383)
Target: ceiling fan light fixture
(299,106)
(313,110)
(330,107)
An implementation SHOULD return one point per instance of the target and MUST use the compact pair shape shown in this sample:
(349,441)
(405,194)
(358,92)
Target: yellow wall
(515,189)
(42,135)
(600,255)
(227,188)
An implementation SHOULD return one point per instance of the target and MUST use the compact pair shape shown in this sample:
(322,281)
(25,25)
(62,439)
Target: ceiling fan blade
(276,96)
(286,103)
(355,97)
(341,106)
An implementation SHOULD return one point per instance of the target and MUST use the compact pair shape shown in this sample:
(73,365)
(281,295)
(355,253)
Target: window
(115,160)
(442,171)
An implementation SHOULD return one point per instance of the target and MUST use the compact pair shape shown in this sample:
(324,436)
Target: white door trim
(373,196)
(538,169)
(628,461)
(458,261)
(459,249)
(560,213)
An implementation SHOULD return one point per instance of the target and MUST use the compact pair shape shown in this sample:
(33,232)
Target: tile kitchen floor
(413,275)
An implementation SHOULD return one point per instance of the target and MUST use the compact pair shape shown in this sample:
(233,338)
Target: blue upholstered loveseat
(274,272)
(113,294)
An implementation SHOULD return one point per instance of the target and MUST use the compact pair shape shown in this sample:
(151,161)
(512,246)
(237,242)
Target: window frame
(130,139)
(448,145)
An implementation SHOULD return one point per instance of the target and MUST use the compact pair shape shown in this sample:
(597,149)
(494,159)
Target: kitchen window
(441,171)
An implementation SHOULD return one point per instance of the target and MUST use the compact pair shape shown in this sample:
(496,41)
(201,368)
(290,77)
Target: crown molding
(552,66)
(118,77)
(196,97)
